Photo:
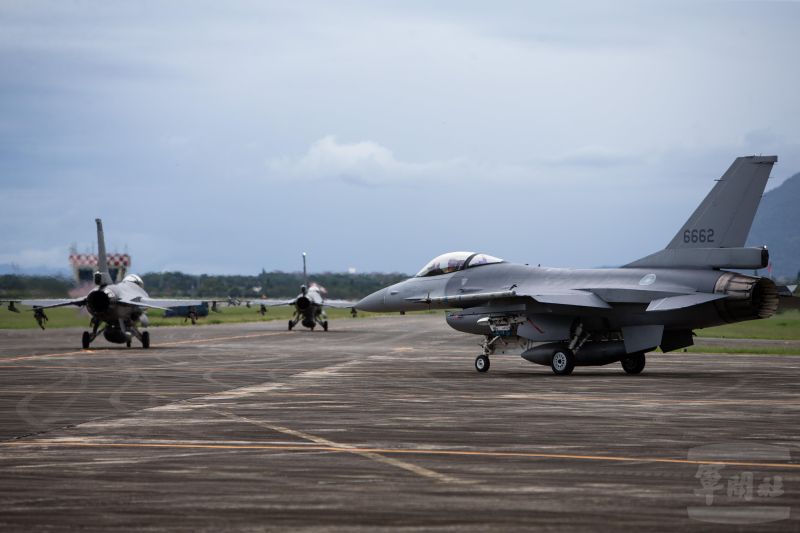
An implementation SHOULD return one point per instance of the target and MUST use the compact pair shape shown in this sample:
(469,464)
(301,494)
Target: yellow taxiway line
(398,451)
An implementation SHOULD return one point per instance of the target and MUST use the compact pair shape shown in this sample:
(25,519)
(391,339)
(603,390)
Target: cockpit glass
(454,261)
(133,278)
(482,259)
(445,263)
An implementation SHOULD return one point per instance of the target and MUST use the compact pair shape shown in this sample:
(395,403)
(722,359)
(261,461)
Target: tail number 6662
(698,235)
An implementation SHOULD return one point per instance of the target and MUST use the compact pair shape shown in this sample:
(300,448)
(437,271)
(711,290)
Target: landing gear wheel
(146,340)
(325,325)
(482,363)
(86,340)
(291,325)
(563,362)
(128,343)
(634,363)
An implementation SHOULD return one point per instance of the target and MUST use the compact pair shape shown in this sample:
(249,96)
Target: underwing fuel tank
(467,323)
(590,354)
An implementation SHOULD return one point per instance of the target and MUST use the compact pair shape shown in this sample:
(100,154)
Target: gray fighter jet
(117,309)
(309,305)
(579,317)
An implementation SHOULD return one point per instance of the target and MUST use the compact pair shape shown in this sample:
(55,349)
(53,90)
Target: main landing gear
(117,333)
(563,362)
(634,363)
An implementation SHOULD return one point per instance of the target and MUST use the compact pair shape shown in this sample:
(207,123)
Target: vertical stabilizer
(102,276)
(305,272)
(724,218)
(715,234)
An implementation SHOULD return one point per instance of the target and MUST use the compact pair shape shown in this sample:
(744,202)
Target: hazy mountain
(777,225)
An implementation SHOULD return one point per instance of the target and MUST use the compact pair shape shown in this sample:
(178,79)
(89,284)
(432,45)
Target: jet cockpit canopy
(455,261)
(133,278)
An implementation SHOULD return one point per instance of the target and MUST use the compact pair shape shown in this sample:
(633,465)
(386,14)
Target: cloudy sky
(226,137)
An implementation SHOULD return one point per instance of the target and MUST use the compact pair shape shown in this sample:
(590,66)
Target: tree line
(169,284)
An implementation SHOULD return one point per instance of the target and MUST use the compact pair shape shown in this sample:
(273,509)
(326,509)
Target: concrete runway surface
(383,423)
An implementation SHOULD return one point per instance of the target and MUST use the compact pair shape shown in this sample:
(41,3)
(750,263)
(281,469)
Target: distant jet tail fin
(102,276)
(721,221)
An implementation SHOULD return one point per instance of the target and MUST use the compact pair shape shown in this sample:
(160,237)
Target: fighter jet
(117,309)
(580,317)
(309,305)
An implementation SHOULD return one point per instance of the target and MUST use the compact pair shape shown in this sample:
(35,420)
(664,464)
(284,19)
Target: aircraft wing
(160,303)
(339,304)
(268,302)
(55,302)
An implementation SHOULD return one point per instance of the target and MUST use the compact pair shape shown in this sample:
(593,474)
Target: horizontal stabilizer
(744,258)
(681,302)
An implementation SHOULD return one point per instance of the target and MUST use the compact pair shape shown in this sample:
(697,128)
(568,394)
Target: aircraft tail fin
(715,234)
(102,276)
(724,218)
(305,275)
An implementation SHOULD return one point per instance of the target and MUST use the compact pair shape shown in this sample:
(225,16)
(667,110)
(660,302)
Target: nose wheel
(482,363)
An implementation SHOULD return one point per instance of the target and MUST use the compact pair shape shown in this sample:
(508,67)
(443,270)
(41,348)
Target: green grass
(734,350)
(783,326)
(65,317)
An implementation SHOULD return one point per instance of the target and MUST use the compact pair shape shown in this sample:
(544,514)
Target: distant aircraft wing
(266,302)
(339,304)
(160,303)
(51,303)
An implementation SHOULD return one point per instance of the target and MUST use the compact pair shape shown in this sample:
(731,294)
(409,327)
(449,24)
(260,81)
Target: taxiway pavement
(384,423)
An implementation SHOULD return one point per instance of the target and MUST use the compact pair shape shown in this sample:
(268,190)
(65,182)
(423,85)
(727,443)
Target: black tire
(482,363)
(146,340)
(86,340)
(634,363)
(325,325)
(128,343)
(563,362)
(291,325)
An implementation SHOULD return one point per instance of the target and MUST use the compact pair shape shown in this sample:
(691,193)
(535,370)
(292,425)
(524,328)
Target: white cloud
(363,162)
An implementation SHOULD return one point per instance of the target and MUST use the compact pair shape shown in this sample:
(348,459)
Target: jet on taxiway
(572,317)
(309,305)
(117,309)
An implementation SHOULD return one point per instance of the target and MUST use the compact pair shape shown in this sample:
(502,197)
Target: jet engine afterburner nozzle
(99,301)
(303,303)
(748,298)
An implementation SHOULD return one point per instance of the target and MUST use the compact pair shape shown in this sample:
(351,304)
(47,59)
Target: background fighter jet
(309,305)
(116,308)
(567,317)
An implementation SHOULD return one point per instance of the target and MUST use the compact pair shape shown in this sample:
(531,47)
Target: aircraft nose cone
(374,302)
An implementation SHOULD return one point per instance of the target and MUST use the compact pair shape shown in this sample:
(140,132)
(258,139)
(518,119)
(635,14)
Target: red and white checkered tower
(85,265)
